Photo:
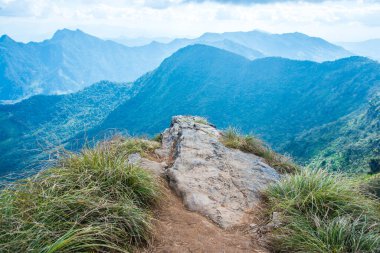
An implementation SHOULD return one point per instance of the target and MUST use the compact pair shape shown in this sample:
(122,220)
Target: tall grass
(324,212)
(248,143)
(90,202)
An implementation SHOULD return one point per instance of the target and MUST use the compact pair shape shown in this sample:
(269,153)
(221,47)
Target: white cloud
(334,20)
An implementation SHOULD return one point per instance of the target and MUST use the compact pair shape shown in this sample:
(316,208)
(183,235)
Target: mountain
(296,46)
(351,143)
(139,41)
(68,62)
(273,97)
(34,129)
(73,60)
(369,48)
(256,44)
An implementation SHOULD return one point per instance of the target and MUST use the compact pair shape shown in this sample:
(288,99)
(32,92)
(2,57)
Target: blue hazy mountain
(33,129)
(296,46)
(68,62)
(368,48)
(72,60)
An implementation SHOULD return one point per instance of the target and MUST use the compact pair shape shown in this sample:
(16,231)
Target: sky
(336,21)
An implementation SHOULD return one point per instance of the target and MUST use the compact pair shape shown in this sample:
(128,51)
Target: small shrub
(248,143)
(90,202)
(323,212)
(157,138)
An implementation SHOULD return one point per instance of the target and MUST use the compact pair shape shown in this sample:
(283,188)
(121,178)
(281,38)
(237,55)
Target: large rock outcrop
(221,183)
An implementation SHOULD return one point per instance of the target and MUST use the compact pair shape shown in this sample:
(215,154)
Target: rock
(134,158)
(276,219)
(221,183)
(157,168)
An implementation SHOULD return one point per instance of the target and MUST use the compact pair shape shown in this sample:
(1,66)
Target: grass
(201,120)
(126,146)
(324,212)
(372,185)
(248,143)
(90,202)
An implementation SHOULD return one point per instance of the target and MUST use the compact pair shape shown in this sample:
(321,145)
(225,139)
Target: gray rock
(221,183)
(134,158)
(157,168)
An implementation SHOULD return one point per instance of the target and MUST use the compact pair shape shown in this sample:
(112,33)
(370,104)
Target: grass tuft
(126,146)
(324,212)
(90,202)
(201,120)
(248,143)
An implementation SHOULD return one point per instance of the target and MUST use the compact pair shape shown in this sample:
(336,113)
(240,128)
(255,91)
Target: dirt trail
(182,231)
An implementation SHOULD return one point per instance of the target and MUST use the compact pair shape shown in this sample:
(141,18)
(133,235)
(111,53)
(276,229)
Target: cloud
(248,2)
(334,20)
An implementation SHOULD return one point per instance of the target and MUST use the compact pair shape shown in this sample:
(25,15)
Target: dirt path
(182,231)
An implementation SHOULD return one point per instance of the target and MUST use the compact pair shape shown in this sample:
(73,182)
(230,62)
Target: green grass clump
(372,185)
(248,143)
(127,146)
(324,212)
(90,202)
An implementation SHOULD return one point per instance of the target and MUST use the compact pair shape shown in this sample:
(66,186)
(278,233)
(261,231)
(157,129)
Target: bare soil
(182,231)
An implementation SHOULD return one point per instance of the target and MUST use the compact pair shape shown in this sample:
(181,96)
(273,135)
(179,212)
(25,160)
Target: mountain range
(283,101)
(73,60)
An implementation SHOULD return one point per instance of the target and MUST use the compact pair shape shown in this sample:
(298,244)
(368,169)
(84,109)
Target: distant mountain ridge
(368,48)
(68,62)
(73,60)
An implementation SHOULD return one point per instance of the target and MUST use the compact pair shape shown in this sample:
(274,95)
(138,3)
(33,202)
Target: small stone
(134,159)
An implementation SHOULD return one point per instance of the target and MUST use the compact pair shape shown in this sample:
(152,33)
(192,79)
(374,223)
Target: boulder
(221,183)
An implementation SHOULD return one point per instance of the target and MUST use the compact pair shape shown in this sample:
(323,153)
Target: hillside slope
(35,128)
(273,97)
(351,143)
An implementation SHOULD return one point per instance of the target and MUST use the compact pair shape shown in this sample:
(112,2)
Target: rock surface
(156,167)
(221,183)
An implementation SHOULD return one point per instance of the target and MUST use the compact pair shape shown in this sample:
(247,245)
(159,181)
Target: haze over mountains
(368,48)
(279,99)
(73,60)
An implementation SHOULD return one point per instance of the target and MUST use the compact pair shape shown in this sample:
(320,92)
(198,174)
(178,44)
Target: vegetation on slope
(90,202)
(248,143)
(324,212)
(351,144)
(31,130)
